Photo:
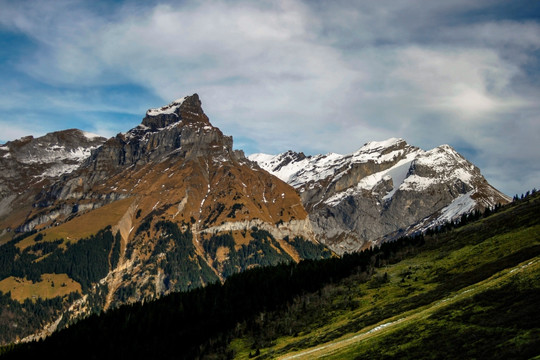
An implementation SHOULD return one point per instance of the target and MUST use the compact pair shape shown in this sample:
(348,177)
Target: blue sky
(309,76)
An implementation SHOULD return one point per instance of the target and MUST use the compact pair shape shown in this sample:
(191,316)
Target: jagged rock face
(384,188)
(180,127)
(200,166)
(188,109)
(28,160)
(29,164)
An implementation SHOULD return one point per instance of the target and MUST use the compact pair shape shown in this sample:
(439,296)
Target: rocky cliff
(166,206)
(383,190)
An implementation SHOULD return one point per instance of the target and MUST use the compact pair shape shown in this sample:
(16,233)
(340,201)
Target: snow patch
(447,166)
(90,136)
(461,205)
(167,109)
(58,170)
(380,145)
(57,153)
(397,173)
(261,158)
(417,183)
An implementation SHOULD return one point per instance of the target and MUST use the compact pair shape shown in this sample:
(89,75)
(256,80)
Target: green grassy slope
(469,293)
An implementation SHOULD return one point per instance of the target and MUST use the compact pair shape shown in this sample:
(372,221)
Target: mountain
(383,190)
(88,224)
(166,206)
(29,164)
(468,291)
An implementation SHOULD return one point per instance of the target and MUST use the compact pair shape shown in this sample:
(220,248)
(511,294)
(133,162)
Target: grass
(497,318)
(483,271)
(50,286)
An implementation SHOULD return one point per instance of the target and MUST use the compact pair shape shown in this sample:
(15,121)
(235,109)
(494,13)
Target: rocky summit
(383,190)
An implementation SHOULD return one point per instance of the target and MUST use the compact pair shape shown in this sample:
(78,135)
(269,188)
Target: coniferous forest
(187,325)
(86,261)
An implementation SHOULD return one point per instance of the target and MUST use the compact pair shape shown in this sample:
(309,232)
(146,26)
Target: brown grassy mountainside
(166,206)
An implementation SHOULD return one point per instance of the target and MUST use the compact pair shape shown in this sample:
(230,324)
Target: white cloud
(471,83)
(311,77)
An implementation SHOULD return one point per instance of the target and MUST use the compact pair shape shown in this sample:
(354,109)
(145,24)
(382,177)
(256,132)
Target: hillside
(467,292)
(471,292)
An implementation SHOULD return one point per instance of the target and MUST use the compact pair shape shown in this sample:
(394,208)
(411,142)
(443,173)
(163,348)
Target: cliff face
(176,151)
(383,190)
(173,206)
(30,164)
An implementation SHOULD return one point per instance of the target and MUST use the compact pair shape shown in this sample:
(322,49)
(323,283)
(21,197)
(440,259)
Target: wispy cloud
(311,76)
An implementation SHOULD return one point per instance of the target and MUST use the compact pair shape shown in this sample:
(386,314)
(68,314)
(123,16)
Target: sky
(310,76)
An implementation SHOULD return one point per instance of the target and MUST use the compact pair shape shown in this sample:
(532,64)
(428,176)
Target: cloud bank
(277,75)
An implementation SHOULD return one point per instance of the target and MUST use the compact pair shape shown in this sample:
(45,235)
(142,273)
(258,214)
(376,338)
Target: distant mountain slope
(383,189)
(29,164)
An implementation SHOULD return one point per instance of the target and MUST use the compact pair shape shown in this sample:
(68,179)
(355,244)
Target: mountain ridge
(30,164)
(382,180)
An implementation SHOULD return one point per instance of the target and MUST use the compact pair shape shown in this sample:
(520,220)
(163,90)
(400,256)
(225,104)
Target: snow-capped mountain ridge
(69,145)
(384,187)
(302,171)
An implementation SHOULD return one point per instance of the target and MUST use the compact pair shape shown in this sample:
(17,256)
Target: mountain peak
(385,187)
(187,109)
(378,146)
(167,109)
